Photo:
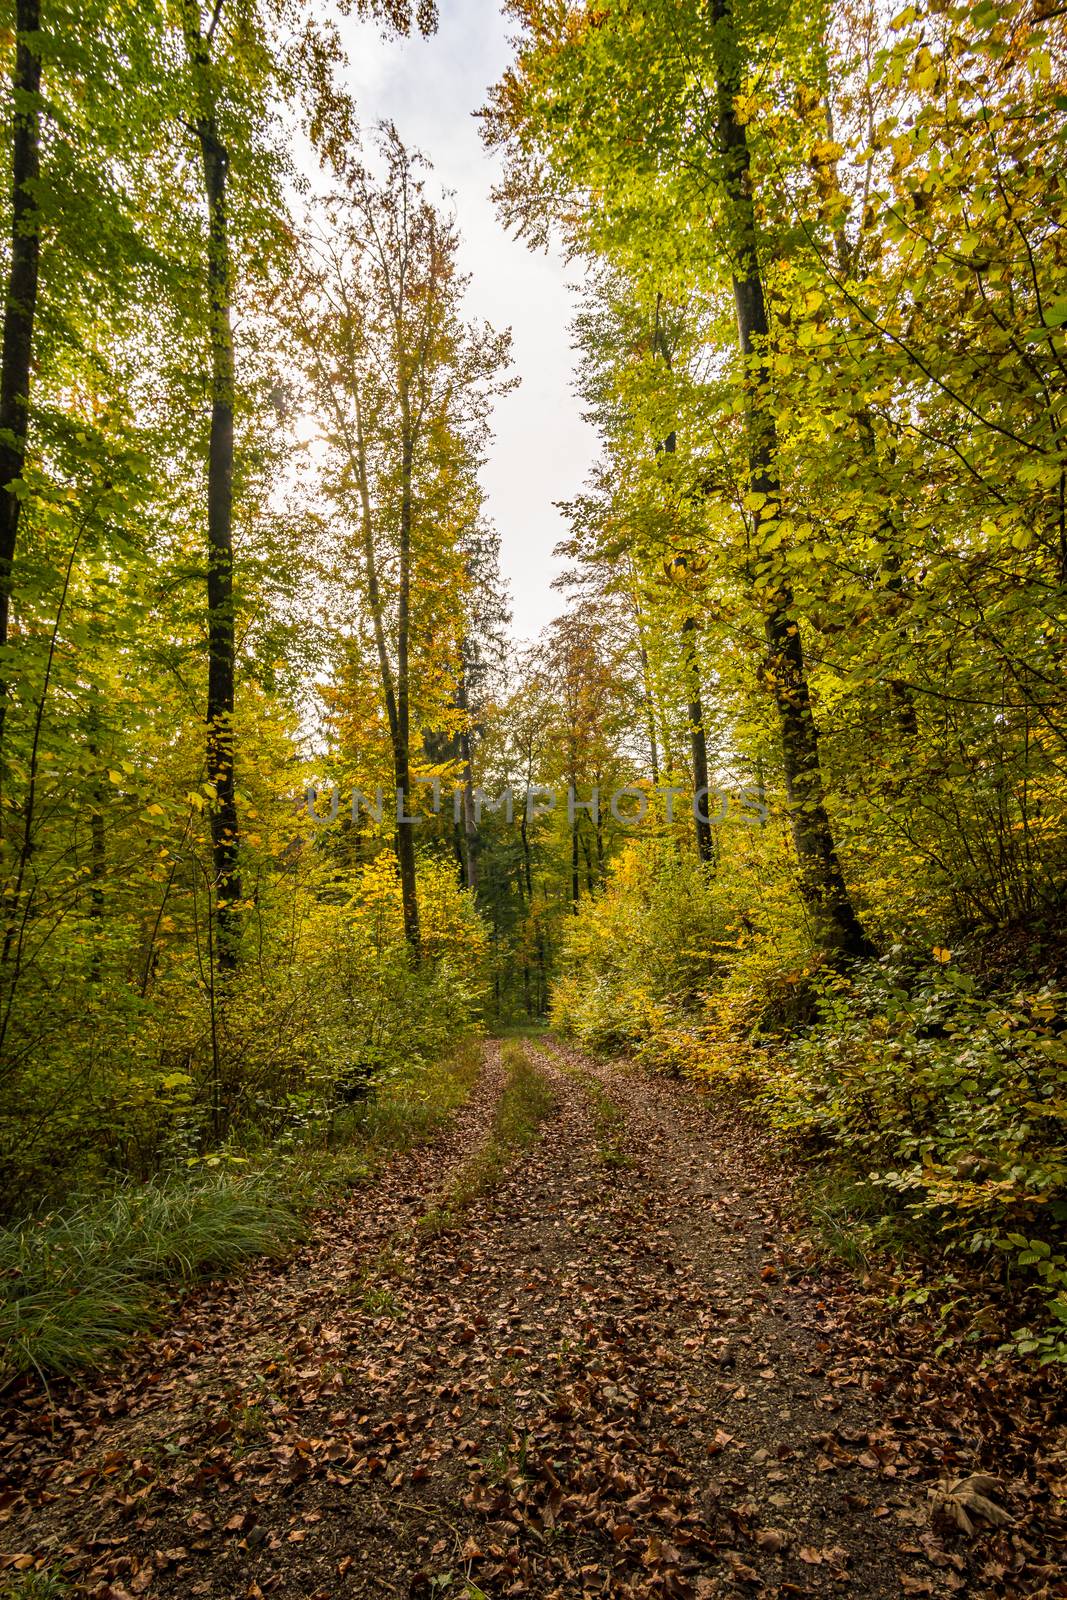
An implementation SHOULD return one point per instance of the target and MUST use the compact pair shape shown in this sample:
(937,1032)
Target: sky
(542,449)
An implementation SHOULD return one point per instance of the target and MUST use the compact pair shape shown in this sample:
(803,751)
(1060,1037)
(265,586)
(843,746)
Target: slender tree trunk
(470,827)
(822,881)
(697,740)
(527,868)
(588,854)
(405,832)
(698,744)
(649,705)
(396,689)
(902,699)
(650,715)
(97,848)
(225,831)
(21,303)
(527,871)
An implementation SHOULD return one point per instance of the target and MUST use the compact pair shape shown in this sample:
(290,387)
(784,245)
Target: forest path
(611,1374)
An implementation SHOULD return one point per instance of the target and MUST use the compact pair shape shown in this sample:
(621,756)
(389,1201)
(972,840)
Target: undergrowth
(934,1117)
(77,1282)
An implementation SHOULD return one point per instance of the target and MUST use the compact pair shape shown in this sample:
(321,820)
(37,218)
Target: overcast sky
(542,449)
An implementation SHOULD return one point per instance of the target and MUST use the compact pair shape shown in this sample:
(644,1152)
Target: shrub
(949,1104)
(325,1003)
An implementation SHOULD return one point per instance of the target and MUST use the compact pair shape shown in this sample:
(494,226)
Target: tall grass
(76,1283)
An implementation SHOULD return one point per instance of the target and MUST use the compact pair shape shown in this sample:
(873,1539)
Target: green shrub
(952,1107)
(325,1004)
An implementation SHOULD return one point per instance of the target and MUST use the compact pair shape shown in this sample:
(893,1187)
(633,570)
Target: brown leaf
(959,1502)
(772,1539)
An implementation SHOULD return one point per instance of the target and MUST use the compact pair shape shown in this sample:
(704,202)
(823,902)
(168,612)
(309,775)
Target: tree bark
(395,689)
(470,826)
(225,830)
(587,853)
(822,881)
(697,741)
(21,304)
(901,697)
(405,831)
(649,703)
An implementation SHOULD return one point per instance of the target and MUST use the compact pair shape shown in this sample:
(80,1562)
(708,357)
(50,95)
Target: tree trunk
(526,867)
(470,827)
(901,697)
(822,881)
(650,716)
(698,741)
(405,832)
(21,303)
(649,703)
(225,831)
(587,853)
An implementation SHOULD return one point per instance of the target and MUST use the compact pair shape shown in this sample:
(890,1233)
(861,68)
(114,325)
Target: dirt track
(617,1377)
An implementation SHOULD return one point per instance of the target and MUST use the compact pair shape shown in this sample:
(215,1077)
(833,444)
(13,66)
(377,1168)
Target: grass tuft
(75,1284)
(32,1586)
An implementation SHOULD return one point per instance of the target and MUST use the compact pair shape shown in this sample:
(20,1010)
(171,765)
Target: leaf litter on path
(619,1378)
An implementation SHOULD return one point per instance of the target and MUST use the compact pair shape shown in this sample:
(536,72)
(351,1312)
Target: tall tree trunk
(587,853)
(97,845)
(649,700)
(526,867)
(527,872)
(225,831)
(822,881)
(395,689)
(901,697)
(698,743)
(697,740)
(405,831)
(21,303)
(470,826)
(650,712)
